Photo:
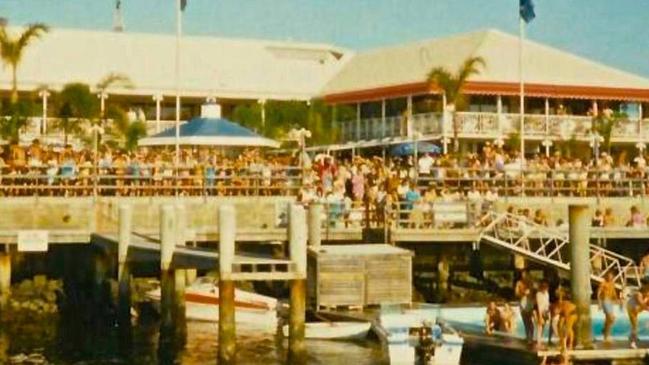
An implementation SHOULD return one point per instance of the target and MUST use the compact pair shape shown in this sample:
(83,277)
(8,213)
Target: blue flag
(527,10)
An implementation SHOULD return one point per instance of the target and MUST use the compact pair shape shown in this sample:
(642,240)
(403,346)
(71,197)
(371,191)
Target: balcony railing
(488,126)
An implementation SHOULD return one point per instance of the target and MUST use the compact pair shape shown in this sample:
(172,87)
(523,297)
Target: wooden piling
(227,329)
(167,276)
(5,275)
(180,275)
(123,269)
(297,247)
(579,226)
(315,225)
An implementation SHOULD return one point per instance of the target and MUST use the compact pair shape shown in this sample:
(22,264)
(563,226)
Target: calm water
(79,341)
(67,344)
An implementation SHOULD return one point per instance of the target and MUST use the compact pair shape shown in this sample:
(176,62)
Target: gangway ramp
(550,246)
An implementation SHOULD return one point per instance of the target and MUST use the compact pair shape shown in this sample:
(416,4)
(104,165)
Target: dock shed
(359,275)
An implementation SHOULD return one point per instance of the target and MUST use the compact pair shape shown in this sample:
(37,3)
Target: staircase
(550,246)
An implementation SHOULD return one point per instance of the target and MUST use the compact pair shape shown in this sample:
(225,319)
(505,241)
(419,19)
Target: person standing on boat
(607,297)
(525,293)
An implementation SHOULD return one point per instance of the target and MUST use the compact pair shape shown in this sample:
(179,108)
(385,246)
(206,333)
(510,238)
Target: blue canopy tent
(408,148)
(203,131)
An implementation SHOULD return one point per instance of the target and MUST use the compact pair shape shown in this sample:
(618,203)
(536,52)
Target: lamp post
(547,143)
(300,135)
(262,102)
(102,95)
(96,132)
(44,94)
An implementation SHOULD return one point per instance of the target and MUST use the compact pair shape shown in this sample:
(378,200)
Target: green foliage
(76,106)
(12,48)
(452,86)
(15,117)
(133,133)
(115,79)
(513,142)
(605,123)
(282,116)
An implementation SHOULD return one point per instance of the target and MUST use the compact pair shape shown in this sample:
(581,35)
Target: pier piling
(579,220)
(227,329)
(315,225)
(123,269)
(180,276)
(5,275)
(167,276)
(297,247)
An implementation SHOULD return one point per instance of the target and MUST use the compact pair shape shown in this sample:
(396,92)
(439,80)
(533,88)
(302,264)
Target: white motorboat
(334,330)
(202,304)
(415,336)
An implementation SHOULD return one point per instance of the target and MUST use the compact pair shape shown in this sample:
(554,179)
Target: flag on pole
(183,4)
(527,10)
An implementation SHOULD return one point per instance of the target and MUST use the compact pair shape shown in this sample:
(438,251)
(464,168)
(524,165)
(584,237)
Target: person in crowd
(607,297)
(636,220)
(598,219)
(609,218)
(644,266)
(565,313)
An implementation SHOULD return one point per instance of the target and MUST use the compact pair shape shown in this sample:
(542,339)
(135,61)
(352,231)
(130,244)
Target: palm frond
(33,31)
(471,66)
(115,78)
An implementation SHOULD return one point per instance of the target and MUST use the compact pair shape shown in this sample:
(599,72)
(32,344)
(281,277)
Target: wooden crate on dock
(359,275)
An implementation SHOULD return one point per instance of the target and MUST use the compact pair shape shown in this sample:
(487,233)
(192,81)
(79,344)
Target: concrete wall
(557,208)
(101,215)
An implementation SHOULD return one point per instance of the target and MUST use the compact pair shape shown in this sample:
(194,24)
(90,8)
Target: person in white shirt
(425,164)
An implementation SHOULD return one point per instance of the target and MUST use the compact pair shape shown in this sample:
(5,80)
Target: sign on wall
(33,241)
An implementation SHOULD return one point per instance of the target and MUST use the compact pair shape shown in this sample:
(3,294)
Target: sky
(614,32)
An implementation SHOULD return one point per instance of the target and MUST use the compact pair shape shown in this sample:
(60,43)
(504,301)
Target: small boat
(202,304)
(334,330)
(414,336)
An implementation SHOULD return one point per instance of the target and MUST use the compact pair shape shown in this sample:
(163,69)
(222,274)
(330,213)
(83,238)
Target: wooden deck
(508,350)
(246,266)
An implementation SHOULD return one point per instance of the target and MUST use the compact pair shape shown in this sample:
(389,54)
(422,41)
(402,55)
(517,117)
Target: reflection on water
(73,342)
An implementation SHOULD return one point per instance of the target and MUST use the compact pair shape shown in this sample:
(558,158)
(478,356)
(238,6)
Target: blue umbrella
(209,132)
(408,148)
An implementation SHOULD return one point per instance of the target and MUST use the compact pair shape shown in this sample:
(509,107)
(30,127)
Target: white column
(44,94)
(358,121)
(158,100)
(262,102)
(409,126)
(499,111)
(382,118)
(546,143)
(445,120)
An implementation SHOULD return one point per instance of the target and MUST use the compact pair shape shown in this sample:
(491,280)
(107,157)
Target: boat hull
(334,330)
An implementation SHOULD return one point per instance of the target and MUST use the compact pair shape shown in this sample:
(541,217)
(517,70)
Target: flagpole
(177,81)
(522,88)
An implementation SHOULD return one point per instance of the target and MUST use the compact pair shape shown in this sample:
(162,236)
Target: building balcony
(485,126)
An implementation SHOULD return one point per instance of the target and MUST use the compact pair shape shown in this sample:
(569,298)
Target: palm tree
(112,79)
(12,48)
(77,107)
(452,86)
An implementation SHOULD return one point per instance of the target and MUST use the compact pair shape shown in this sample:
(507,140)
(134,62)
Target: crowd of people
(48,170)
(559,315)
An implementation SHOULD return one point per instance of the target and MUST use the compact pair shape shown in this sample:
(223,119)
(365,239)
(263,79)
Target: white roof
(410,63)
(210,66)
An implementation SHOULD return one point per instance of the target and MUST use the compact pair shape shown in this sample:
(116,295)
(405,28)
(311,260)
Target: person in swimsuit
(541,312)
(607,297)
(634,306)
(492,318)
(566,314)
(524,292)
(644,266)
